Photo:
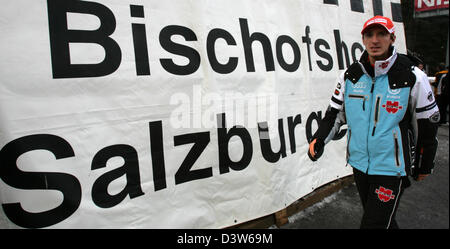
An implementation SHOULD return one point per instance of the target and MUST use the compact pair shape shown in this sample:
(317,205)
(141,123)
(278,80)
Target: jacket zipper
(348,146)
(377,107)
(356,96)
(397,149)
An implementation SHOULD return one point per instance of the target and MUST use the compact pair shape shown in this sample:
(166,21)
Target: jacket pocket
(397,149)
(361,97)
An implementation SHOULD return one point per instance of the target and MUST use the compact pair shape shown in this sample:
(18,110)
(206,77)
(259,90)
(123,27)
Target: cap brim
(376,24)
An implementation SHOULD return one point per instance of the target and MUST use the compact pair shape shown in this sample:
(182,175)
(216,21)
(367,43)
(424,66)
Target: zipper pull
(397,161)
(364,103)
(377,106)
(373,85)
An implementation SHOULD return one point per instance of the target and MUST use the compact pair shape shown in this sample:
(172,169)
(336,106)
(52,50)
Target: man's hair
(393,36)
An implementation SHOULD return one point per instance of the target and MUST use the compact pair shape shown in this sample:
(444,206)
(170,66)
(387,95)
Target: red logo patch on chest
(392,106)
(384,194)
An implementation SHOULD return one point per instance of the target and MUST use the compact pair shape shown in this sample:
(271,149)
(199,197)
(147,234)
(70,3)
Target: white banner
(168,114)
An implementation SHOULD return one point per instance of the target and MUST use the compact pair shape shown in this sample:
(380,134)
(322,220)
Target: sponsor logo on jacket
(384,194)
(392,106)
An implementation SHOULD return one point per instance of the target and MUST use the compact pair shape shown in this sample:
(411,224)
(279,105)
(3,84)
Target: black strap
(401,73)
(354,73)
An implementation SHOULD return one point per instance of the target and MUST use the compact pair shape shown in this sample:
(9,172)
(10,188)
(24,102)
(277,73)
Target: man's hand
(421,177)
(315,150)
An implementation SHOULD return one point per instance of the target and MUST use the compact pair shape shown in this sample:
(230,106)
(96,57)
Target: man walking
(392,117)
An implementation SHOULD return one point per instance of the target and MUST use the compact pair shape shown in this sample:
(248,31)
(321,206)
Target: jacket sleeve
(334,116)
(427,115)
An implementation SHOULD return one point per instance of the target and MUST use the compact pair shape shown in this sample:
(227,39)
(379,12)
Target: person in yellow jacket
(441,91)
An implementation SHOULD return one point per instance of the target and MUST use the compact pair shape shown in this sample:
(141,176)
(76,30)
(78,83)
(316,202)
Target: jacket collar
(381,67)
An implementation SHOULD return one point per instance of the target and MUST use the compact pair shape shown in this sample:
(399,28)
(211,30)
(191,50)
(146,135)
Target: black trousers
(380,197)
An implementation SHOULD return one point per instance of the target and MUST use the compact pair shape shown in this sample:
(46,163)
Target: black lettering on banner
(284,39)
(71,188)
(335,2)
(60,37)
(292,123)
(130,169)
(157,152)
(232,63)
(264,140)
(356,46)
(340,45)
(200,141)
(137,11)
(396,9)
(324,55)
(377,7)
(357,6)
(312,117)
(140,41)
(248,40)
(306,39)
(67,184)
(191,54)
(224,137)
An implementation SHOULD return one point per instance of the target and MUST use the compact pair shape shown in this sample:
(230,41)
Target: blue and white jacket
(385,114)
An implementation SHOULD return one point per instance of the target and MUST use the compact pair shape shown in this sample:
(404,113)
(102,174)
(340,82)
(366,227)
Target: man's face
(377,42)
